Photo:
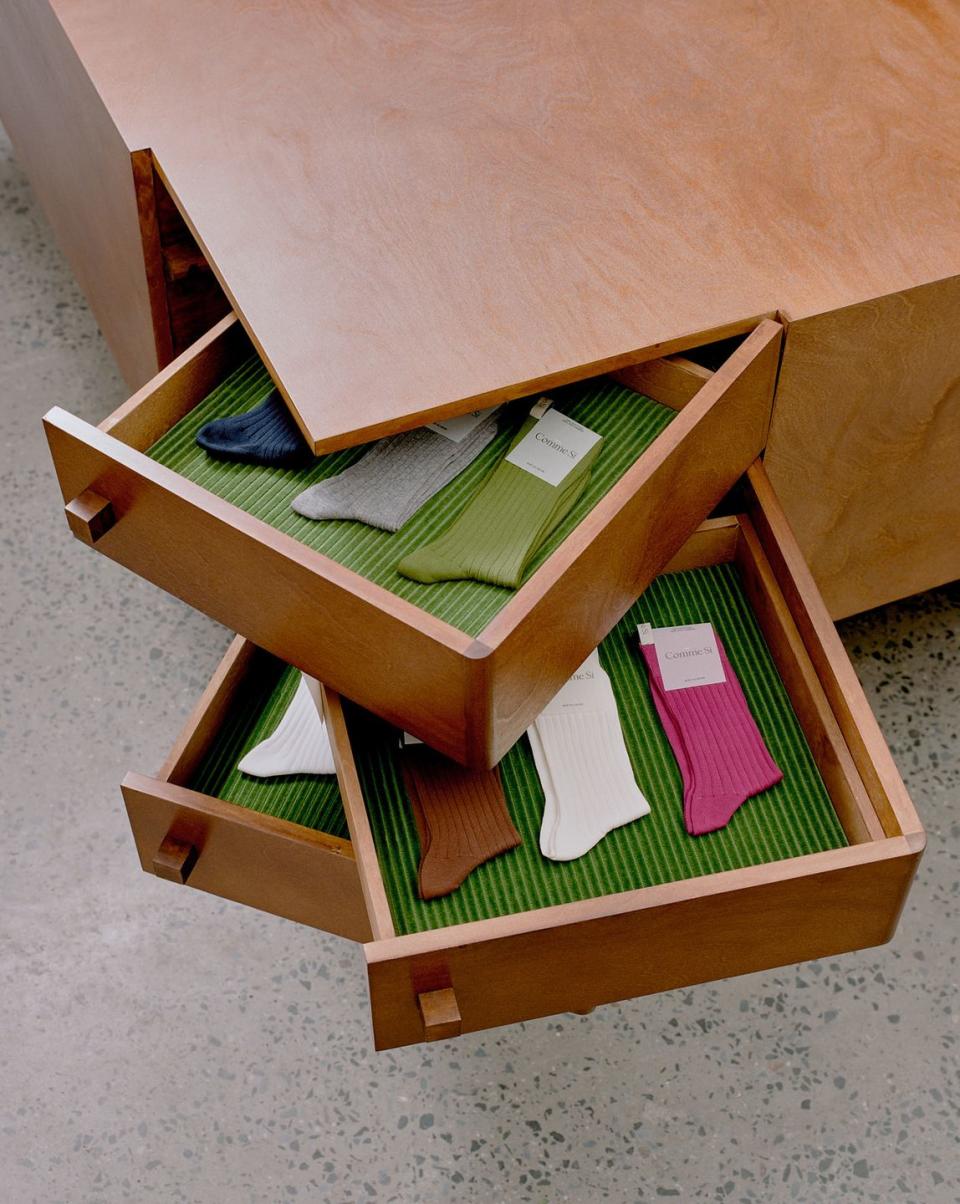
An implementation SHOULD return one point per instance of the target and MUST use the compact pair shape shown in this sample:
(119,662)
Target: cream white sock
(299,744)
(585,771)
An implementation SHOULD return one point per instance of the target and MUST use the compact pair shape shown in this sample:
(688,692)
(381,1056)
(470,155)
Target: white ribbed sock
(585,771)
(299,744)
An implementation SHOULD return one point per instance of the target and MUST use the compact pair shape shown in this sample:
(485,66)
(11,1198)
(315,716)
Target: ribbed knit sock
(396,477)
(299,744)
(499,532)
(267,434)
(461,817)
(588,783)
(721,754)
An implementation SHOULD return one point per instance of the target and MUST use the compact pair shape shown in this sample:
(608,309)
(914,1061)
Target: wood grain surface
(80,170)
(414,207)
(578,955)
(239,854)
(865,445)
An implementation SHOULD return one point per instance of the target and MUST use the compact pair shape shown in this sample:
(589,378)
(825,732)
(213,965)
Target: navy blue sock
(267,434)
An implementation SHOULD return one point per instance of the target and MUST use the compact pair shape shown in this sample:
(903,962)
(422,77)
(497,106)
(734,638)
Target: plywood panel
(80,170)
(441,202)
(864,447)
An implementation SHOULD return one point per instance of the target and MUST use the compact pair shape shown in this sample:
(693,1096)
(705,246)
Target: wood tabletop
(422,208)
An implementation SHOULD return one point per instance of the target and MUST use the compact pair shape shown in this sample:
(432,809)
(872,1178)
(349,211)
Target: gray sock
(396,477)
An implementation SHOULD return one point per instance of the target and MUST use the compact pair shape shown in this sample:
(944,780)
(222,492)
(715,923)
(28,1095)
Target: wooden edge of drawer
(699,457)
(579,955)
(856,719)
(239,854)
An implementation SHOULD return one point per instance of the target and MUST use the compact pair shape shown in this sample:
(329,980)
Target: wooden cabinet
(572,957)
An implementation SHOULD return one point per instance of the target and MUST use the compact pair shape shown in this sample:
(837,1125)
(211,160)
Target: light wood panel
(873,759)
(80,170)
(537,964)
(865,445)
(240,854)
(442,202)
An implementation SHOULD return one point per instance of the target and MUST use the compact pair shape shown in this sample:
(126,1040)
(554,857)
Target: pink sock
(722,757)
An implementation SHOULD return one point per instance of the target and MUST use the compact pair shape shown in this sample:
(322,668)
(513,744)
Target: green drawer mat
(794,818)
(628,421)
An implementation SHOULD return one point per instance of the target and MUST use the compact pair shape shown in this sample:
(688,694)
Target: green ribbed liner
(628,421)
(312,800)
(794,818)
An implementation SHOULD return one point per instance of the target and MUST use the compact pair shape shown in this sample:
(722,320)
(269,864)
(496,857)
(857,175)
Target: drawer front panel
(215,557)
(675,936)
(239,854)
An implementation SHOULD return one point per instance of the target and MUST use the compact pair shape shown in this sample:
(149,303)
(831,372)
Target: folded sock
(722,757)
(588,783)
(299,744)
(396,477)
(461,817)
(502,527)
(267,434)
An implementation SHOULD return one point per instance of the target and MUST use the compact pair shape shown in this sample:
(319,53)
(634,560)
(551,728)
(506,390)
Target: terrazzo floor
(161,1045)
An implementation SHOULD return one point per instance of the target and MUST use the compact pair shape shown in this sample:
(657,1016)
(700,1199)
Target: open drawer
(471,682)
(778,904)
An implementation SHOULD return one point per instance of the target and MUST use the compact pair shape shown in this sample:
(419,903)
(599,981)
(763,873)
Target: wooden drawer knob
(441,1015)
(175,859)
(90,516)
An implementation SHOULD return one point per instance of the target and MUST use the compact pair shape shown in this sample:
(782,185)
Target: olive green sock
(506,521)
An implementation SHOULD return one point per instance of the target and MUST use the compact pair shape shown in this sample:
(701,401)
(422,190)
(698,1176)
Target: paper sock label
(553,448)
(457,429)
(586,690)
(687,655)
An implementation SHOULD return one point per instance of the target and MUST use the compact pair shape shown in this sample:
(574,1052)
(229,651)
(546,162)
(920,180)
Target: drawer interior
(628,420)
(310,800)
(792,819)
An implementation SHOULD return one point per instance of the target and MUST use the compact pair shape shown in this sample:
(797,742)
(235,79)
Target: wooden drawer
(571,957)
(470,696)
(187,836)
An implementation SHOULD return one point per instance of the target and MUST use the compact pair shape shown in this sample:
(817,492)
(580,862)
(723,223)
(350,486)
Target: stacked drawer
(830,877)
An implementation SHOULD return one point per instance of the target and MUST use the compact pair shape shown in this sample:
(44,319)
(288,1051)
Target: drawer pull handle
(441,1015)
(175,859)
(90,516)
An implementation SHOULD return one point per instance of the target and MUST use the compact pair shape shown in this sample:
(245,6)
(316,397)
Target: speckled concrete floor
(159,1044)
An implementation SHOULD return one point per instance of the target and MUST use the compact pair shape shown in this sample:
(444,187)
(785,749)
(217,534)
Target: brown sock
(461,817)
